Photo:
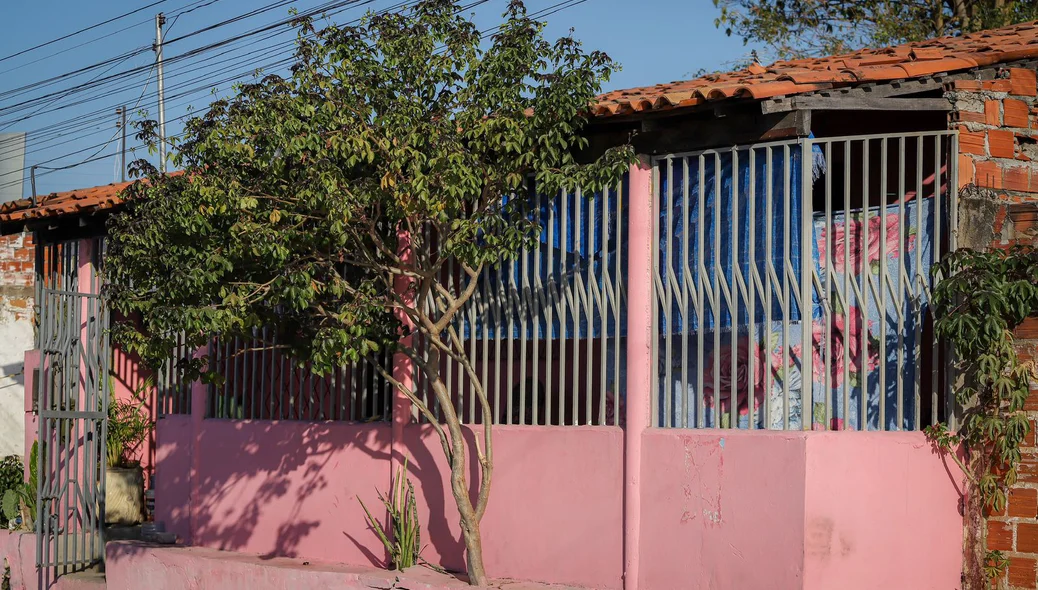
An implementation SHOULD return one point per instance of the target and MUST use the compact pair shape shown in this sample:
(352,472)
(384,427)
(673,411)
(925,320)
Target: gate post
(641,219)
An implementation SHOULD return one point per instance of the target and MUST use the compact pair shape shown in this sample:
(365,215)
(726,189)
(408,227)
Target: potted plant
(128,428)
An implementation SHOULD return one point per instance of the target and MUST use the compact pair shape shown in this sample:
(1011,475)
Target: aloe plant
(405,547)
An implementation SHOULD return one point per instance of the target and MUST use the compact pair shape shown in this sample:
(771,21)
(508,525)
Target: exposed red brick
(1023,502)
(993,112)
(972,142)
(1023,571)
(1015,113)
(997,85)
(1027,470)
(1029,439)
(969,117)
(1001,143)
(1000,536)
(1027,330)
(1016,178)
(988,174)
(966,85)
(966,173)
(1023,82)
(1027,537)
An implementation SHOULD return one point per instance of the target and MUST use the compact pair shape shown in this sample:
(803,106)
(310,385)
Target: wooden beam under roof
(851,102)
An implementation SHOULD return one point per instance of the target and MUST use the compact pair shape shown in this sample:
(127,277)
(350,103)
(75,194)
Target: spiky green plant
(405,547)
(21,500)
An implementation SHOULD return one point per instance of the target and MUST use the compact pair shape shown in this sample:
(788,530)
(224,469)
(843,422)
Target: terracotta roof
(785,78)
(66,203)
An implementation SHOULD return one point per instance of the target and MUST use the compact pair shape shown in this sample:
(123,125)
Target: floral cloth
(876,274)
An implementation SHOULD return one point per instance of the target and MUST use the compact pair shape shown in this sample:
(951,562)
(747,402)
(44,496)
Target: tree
(802,28)
(308,200)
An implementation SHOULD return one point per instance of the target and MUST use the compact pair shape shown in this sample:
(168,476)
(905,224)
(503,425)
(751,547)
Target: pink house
(713,376)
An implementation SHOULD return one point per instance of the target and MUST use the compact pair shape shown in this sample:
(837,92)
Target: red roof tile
(785,78)
(59,204)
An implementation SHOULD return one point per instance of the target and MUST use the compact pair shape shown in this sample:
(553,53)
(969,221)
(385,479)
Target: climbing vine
(980,300)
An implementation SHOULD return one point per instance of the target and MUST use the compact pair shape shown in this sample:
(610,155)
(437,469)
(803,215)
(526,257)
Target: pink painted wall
(289,488)
(556,503)
(882,511)
(174,444)
(721,510)
(32,363)
(796,510)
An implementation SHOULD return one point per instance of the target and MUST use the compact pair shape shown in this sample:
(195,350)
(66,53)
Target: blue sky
(655,41)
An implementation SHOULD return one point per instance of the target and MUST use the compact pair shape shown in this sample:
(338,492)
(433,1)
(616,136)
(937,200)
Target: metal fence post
(642,217)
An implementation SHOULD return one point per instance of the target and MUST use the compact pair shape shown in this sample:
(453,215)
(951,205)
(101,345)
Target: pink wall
(721,510)
(556,503)
(291,488)
(882,511)
(795,510)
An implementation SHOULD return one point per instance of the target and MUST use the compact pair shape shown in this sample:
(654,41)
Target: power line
(83,30)
(55,130)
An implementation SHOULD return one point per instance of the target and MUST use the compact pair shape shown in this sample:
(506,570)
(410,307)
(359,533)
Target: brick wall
(997,121)
(16,336)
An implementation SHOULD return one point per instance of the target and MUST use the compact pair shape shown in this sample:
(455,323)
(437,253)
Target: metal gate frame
(75,355)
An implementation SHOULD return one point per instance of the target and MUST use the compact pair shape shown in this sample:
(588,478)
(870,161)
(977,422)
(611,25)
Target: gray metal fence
(73,385)
(259,382)
(822,245)
(546,332)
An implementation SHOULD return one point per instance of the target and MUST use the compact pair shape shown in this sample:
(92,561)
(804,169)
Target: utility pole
(159,21)
(122,146)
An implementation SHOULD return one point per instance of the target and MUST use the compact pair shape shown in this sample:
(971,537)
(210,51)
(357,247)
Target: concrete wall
(794,510)
(16,336)
(292,488)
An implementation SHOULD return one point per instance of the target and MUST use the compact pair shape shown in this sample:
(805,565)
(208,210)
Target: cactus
(406,546)
(11,505)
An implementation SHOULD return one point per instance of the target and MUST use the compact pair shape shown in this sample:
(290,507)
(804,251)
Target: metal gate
(792,283)
(73,407)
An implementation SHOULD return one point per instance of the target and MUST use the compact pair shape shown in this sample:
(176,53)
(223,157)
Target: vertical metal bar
(825,346)
(901,274)
(733,303)
(920,283)
(551,289)
(881,305)
(535,300)
(935,258)
(847,272)
(952,416)
(685,278)
(572,293)
(618,285)
(564,385)
(667,204)
(718,275)
(603,325)
(751,303)
(786,279)
(863,306)
(806,284)
(589,254)
(700,294)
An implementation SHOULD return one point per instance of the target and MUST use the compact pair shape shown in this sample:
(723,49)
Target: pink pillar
(199,393)
(641,217)
(403,367)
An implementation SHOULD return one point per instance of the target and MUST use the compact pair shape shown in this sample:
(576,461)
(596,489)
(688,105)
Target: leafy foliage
(12,475)
(405,548)
(326,204)
(20,501)
(128,428)
(981,299)
(800,28)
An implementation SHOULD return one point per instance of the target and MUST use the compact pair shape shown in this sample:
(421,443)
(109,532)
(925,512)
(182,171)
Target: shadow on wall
(291,489)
